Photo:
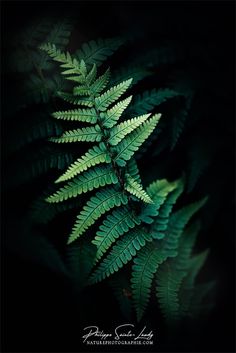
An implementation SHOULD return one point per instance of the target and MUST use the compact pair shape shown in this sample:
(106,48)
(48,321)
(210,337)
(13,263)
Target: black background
(38,308)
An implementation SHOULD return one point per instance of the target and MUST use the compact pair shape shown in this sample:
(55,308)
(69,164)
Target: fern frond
(158,191)
(118,132)
(42,212)
(81,91)
(138,73)
(92,75)
(168,283)
(115,225)
(136,189)
(171,275)
(29,130)
(84,115)
(106,99)
(37,163)
(96,155)
(87,134)
(160,223)
(143,270)
(132,169)
(79,259)
(70,98)
(101,83)
(131,143)
(92,179)
(96,52)
(99,204)
(112,115)
(180,218)
(65,58)
(187,288)
(121,253)
(146,101)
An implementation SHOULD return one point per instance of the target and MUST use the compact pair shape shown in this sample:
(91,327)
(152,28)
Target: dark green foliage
(118,220)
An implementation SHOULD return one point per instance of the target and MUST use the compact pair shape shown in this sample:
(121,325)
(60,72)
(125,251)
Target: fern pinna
(141,225)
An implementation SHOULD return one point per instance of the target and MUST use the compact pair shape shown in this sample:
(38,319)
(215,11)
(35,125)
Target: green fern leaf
(99,204)
(112,115)
(96,155)
(170,276)
(168,283)
(120,131)
(132,170)
(81,91)
(136,189)
(64,58)
(187,288)
(158,191)
(88,134)
(92,75)
(115,225)
(143,270)
(160,223)
(96,52)
(138,73)
(85,115)
(101,83)
(120,254)
(180,218)
(130,144)
(146,101)
(87,181)
(70,98)
(111,96)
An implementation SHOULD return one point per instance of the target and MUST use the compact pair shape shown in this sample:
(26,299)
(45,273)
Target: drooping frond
(143,270)
(187,288)
(118,132)
(29,130)
(92,179)
(158,191)
(171,275)
(180,218)
(37,163)
(168,283)
(106,99)
(99,204)
(112,115)
(115,225)
(146,101)
(85,115)
(179,121)
(121,253)
(87,134)
(160,224)
(137,72)
(96,52)
(131,143)
(136,189)
(42,212)
(94,156)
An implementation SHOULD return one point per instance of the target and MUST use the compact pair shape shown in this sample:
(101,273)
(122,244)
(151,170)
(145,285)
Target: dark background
(38,307)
